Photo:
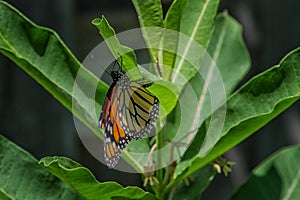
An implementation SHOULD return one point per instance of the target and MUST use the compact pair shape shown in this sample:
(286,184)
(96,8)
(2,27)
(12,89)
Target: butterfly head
(116,75)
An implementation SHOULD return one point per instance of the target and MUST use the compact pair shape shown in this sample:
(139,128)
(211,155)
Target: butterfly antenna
(115,63)
(107,72)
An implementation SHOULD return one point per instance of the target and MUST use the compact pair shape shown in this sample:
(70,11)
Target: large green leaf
(198,20)
(251,107)
(84,183)
(41,53)
(170,37)
(22,178)
(278,177)
(229,52)
(150,14)
(197,102)
(196,26)
(226,64)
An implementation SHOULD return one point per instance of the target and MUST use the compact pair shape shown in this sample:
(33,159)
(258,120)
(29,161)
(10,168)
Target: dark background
(37,122)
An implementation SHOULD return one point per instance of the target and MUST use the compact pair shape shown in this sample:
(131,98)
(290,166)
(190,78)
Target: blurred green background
(33,119)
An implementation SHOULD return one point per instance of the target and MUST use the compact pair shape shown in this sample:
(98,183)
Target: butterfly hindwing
(138,108)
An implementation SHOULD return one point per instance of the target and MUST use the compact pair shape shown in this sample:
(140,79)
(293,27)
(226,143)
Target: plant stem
(172,194)
(159,171)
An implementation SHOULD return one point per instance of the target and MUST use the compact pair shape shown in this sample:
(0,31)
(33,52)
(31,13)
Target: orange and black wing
(115,138)
(129,112)
(138,110)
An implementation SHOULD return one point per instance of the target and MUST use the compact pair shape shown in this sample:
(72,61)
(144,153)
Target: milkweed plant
(197,57)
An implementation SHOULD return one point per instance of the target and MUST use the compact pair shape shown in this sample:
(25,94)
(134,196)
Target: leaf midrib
(292,187)
(208,78)
(12,49)
(191,39)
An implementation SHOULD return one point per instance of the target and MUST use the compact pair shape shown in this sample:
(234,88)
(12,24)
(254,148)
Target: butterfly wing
(139,110)
(129,112)
(115,138)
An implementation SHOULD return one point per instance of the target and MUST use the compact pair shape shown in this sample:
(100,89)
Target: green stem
(159,171)
(171,194)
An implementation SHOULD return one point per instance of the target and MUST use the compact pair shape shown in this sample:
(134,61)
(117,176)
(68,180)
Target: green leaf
(149,12)
(167,94)
(4,195)
(260,100)
(170,37)
(41,53)
(197,26)
(150,16)
(129,62)
(198,20)
(278,177)
(221,73)
(228,50)
(195,184)
(22,177)
(231,60)
(84,183)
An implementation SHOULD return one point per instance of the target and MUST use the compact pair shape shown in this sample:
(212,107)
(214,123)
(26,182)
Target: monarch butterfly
(129,112)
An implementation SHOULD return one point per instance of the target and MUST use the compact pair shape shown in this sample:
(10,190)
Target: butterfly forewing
(115,138)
